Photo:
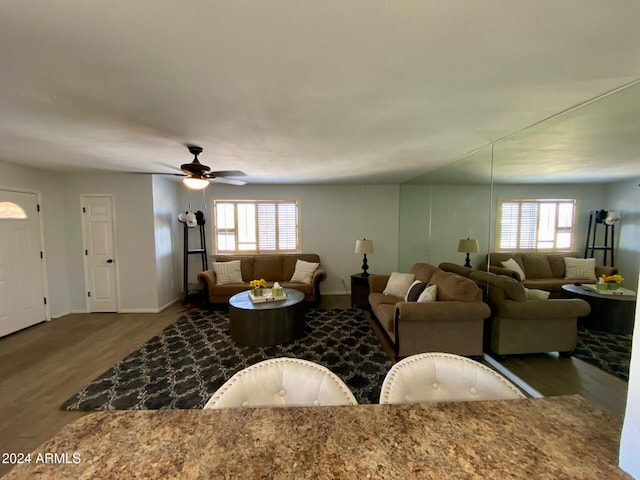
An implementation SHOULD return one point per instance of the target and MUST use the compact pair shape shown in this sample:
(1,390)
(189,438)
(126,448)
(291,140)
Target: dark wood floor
(44,365)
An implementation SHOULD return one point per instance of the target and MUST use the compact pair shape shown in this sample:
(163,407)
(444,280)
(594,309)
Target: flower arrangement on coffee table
(257,286)
(612,282)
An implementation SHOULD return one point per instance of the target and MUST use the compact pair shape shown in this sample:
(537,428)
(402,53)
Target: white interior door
(99,252)
(22,299)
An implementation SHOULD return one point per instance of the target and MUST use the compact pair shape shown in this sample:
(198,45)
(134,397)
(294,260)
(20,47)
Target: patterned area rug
(184,365)
(608,351)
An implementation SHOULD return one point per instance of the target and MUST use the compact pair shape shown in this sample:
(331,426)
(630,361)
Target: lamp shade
(364,246)
(468,245)
(195,183)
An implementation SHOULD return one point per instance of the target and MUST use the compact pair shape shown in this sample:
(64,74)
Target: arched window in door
(11,211)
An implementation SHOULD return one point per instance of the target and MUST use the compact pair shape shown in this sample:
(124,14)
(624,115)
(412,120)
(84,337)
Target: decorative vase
(613,285)
(257,292)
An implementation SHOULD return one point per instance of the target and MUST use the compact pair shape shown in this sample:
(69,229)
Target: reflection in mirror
(590,154)
(441,208)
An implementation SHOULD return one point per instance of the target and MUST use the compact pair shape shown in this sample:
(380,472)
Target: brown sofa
(542,271)
(453,323)
(522,325)
(273,268)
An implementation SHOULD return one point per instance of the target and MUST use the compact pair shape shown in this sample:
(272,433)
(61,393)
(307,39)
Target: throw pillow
(304,271)
(511,264)
(580,268)
(398,284)
(429,294)
(414,291)
(227,272)
(536,294)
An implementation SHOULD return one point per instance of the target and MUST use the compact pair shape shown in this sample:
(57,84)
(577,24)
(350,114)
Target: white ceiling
(292,91)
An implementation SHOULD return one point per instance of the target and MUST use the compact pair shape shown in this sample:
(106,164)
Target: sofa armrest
(601,270)
(377,283)
(500,271)
(208,277)
(319,275)
(449,311)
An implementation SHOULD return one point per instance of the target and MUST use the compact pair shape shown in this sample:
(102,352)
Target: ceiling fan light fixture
(195,183)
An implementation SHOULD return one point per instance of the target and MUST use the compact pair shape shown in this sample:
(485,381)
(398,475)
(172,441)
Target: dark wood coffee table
(268,323)
(609,312)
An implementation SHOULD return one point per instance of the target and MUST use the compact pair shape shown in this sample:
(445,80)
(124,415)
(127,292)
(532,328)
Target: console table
(554,437)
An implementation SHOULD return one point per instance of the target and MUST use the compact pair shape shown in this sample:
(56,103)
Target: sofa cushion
(536,294)
(556,262)
(430,294)
(424,271)
(580,268)
(227,272)
(268,267)
(512,264)
(496,258)
(289,261)
(454,287)
(304,271)
(511,287)
(537,266)
(398,284)
(416,288)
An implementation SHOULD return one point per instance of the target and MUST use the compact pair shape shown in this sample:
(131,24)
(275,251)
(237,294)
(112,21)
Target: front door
(22,300)
(99,244)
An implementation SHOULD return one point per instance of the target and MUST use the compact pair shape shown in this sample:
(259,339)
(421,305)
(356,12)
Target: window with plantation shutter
(255,226)
(535,225)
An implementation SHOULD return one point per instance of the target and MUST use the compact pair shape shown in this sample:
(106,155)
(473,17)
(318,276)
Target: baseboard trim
(524,386)
(68,312)
(149,310)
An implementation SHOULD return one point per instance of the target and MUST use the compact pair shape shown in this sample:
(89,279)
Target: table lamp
(468,245)
(364,246)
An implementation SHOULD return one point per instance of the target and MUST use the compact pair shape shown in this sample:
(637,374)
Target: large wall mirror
(590,153)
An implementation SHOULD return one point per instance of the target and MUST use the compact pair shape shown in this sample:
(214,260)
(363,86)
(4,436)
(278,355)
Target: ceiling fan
(197,175)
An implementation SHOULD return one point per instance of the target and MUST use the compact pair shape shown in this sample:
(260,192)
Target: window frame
(256,202)
(498,232)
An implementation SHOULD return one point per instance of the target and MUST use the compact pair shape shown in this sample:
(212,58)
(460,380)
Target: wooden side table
(360,291)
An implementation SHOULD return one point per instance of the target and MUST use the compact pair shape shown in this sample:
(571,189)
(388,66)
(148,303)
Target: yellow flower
(613,278)
(258,283)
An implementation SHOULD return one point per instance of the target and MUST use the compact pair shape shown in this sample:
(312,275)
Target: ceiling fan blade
(229,181)
(227,173)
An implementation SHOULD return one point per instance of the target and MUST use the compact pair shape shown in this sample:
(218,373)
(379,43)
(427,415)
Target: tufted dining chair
(442,377)
(282,382)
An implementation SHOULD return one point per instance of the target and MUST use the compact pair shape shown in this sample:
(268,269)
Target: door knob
(110,261)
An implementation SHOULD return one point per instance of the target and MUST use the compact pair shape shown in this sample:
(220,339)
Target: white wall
(624,197)
(166,233)
(333,217)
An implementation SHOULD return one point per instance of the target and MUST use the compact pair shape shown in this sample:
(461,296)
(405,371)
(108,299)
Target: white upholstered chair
(442,377)
(282,382)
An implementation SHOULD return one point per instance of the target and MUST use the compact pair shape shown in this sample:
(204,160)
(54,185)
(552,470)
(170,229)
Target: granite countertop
(554,438)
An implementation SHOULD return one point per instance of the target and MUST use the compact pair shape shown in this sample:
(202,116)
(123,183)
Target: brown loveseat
(542,271)
(522,325)
(453,323)
(272,268)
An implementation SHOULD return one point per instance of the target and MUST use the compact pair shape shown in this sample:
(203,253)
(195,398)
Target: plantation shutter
(244,226)
(536,225)
(287,226)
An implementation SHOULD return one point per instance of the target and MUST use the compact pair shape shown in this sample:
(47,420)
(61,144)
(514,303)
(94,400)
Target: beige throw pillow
(227,272)
(429,294)
(304,271)
(580,268)
(511,264)
(398,284)
(536,294)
